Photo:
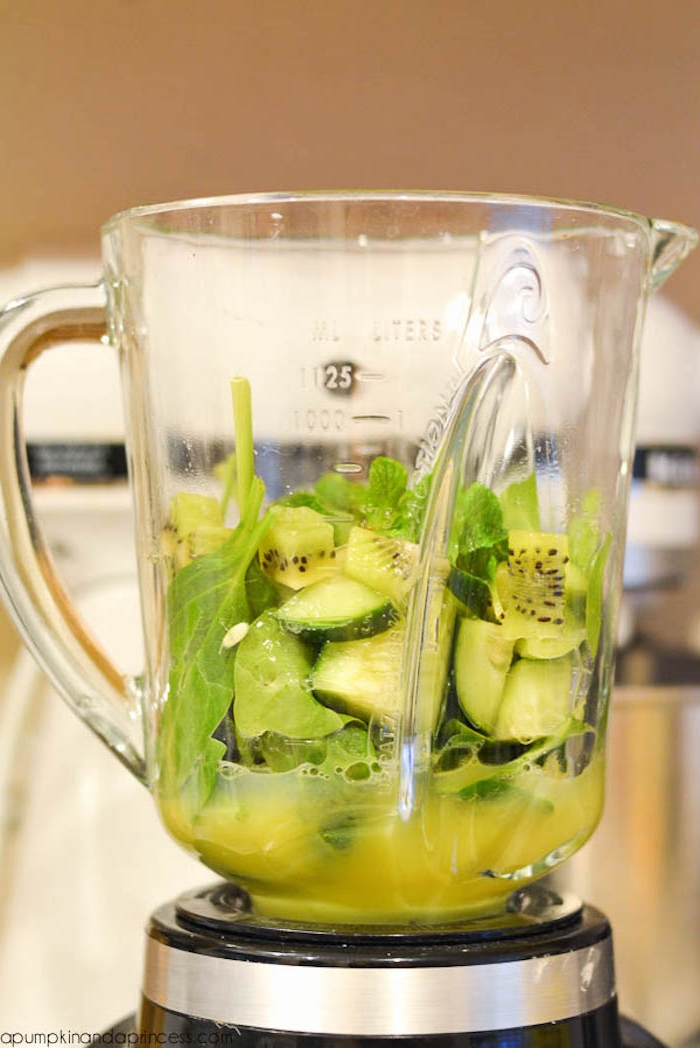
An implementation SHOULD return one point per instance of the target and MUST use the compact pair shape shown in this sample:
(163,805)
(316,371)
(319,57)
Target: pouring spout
(670,244)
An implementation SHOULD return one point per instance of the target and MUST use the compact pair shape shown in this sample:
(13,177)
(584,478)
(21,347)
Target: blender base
(631,1036)
(539,977)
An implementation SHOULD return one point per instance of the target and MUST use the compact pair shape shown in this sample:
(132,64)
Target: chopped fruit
(298,548)
(385,564)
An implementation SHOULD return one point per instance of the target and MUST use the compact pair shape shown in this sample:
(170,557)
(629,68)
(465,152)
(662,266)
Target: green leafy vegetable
(272,687)
(497,789)
(456,780)
(338,494)
(584,532)
(384,504)
(410,513)
(521,509)
(456,742)
(594,599)
(280,753)
(340,833)
(330,754)
(260,589)
(302,498)
(206,598)
(481,545)
(483,532)
(385,488)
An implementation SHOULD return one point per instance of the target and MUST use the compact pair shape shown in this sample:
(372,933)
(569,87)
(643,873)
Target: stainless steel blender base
(543,969)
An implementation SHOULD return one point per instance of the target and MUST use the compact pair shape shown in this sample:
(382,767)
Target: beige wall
(110,103)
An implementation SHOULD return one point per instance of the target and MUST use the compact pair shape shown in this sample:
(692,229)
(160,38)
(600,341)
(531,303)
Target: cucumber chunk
(362,677)
(337,609)
(536,699)
(482,659)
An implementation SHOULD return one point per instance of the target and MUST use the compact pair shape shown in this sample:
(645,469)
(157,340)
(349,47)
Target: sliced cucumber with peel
(536,699)
(337,609)
(362,677)
(482,659)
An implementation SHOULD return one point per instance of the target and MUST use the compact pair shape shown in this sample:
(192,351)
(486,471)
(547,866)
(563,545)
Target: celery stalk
(243,423)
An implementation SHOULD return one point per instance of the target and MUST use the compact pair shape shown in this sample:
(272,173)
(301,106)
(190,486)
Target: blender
(380,448)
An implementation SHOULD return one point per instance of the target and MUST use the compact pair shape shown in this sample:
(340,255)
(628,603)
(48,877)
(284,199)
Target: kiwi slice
(298,548)
(387,565)
(535,589)
(197,528)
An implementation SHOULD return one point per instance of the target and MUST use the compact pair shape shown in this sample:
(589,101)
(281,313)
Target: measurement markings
(371,418)
(369,376)
(347,467)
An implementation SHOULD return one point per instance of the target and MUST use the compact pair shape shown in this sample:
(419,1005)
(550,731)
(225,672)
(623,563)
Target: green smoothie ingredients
(280,740)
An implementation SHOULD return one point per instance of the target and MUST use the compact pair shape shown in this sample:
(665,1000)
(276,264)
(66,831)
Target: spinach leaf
(331,754)
(260,590)
(280,753)
(460,780)
(455,743)
(497,789)
(206,598)
(272,687)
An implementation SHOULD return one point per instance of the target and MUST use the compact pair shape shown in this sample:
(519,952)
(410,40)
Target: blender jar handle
(49,623)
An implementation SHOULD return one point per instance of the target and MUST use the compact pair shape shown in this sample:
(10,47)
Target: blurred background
(117,103)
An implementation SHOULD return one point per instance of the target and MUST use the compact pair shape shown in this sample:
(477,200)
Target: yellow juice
(311,849)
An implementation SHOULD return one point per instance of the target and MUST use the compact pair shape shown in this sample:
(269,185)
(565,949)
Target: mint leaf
(336,493)
(385,488)
(408,522)
(206,598)
(301,498)
(482,522)
(480,546)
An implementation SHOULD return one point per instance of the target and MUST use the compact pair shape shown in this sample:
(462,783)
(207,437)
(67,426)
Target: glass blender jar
(380,450)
